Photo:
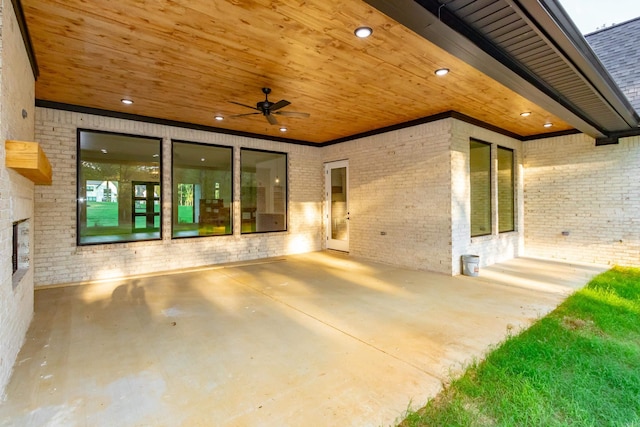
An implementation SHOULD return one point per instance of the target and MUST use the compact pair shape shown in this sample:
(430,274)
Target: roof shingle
(618,48)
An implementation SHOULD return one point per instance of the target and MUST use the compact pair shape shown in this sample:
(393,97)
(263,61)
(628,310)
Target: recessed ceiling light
(202,159)
(363,32)
(126,101)
(103,151)
(525,113)
(156,155)
(548,125)
(283,129)
(442,72)
(219,118)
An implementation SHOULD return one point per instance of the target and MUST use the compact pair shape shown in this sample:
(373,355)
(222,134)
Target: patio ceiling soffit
(591,101)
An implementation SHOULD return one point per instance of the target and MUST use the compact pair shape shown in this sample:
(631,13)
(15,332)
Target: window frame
(491,191)
(161,182)
(286,195)
(513,188)
(15,254)
(231,201)
(21,250)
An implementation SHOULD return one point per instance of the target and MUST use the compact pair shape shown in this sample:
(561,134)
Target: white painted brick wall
(59,260)
(412,184)
(400,184)
(591,192)
(16,192)
(496,247)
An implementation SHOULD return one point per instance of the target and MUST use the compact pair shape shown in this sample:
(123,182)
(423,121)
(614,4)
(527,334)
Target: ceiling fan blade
(271,119)
(278,105)
(244,105)
(242,115)
(293,114)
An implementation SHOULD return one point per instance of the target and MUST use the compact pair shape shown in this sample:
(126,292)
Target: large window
(506,190)
(119,188)
(480,175)
(263,198)
(202,189)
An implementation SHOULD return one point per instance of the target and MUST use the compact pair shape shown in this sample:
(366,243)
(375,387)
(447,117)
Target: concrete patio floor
(321,339)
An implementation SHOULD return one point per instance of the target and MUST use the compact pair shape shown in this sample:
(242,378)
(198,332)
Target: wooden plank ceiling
(184,60)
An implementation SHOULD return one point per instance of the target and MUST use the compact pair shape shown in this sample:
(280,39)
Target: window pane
(480,175)
(202,189)
(14,255)
(263,197)
(506,190)
(119,175)
(339,230)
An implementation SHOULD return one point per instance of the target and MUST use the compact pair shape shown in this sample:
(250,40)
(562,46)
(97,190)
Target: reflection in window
(480,175)
(339,230)
(506,191)
(263,193)
(202,189)
(119,188)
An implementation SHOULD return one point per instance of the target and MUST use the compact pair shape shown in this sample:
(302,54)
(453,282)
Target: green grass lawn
(105,214)
(102,214)
(185,214)
(102,220)
(578,366)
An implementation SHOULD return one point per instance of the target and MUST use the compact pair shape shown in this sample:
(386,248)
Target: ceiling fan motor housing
(270,109)
(264,106)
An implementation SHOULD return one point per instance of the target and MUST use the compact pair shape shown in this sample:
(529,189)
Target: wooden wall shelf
(28,159)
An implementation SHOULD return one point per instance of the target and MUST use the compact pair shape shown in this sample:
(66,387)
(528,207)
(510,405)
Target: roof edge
(562,31)
(442,28)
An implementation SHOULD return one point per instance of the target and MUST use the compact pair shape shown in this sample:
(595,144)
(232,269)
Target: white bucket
(470,265)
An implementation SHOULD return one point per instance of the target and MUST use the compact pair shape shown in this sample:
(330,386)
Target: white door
(337,205)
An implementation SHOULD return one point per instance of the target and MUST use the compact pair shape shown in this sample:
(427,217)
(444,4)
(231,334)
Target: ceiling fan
(269,109)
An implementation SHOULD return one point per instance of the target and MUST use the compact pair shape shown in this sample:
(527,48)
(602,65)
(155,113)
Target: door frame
(339,245)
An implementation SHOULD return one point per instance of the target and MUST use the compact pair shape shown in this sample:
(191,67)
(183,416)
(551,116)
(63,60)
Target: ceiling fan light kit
(268,109)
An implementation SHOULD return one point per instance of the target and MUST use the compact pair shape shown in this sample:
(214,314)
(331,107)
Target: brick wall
(414,185)
(593,193)
(59,260)
(409,201)
(495,247)
(16,192)
(400,184)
